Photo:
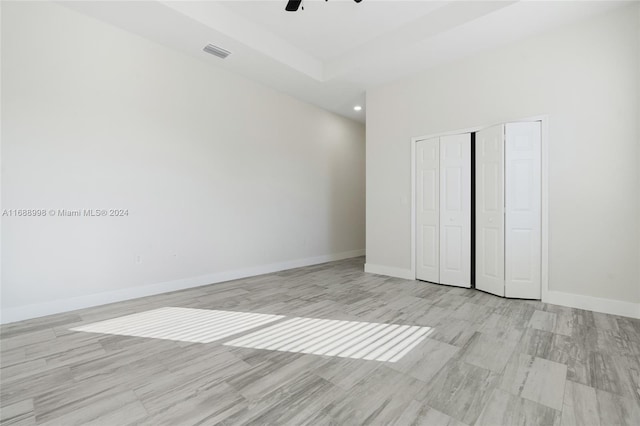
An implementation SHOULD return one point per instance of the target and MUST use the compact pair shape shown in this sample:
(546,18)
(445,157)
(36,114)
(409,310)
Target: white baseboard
(389,270)
(20,313)
(606,306)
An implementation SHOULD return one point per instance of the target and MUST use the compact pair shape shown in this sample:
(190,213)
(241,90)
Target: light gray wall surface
(218,173)
(585,77)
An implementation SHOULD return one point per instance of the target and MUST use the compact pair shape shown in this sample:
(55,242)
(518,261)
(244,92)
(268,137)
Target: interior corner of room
(564,78)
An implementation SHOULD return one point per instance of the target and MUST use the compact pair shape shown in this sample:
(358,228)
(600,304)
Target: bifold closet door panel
(428,212)
(523,210)
(455,210)
(490,210)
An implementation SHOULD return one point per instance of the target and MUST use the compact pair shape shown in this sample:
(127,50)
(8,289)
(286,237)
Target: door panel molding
(523,210)
(455,211)
(427,163)
(542,122)
(490,210)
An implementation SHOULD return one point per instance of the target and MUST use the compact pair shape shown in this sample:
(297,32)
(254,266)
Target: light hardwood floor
(487,361)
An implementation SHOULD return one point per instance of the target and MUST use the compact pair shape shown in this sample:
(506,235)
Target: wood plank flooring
(487,361)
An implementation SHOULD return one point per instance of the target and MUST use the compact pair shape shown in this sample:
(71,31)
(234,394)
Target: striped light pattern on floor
(181,324)
(346,339)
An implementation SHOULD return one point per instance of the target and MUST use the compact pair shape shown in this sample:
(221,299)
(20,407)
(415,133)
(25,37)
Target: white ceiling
(330,53)
(326,29)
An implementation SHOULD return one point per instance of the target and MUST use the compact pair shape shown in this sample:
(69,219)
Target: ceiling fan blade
(293,5)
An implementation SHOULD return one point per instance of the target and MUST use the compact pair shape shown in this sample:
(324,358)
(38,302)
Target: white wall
(222,177)
(585,77)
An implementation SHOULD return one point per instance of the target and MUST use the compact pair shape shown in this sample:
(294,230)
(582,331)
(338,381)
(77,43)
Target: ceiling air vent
(216,51)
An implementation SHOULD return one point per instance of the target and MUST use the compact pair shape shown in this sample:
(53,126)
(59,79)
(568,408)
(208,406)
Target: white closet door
(490,210)
(427,215)
(455,210)
(523,212)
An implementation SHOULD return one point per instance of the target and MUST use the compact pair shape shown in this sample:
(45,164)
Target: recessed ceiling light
(357,108)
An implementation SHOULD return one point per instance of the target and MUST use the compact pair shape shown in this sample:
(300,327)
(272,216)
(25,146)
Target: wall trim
(389,271)
(589,303)
(36,310)
(605,306)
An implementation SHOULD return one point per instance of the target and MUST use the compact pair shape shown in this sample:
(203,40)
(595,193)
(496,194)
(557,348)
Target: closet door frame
(544,123)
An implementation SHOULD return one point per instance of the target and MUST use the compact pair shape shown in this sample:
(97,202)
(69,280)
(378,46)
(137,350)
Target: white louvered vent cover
(216,51)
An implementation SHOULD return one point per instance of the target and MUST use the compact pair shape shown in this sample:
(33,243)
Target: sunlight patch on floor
(181,324)
(346,339)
